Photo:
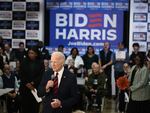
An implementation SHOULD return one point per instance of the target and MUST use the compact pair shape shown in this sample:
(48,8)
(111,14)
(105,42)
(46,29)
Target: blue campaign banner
(79,23)
(82,28)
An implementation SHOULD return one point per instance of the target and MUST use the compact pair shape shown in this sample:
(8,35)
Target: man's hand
(56,103)
(49,85)
(104,66)
(30,86)
(12,95)
(91,90)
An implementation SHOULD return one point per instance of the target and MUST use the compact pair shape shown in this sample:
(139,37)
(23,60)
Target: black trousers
(29,104)
(138,106)
(13,104)
(108,83)
(122,103)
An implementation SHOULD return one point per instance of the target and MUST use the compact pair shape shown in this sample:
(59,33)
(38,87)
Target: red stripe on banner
(94,25)
(95,15)
(95,20)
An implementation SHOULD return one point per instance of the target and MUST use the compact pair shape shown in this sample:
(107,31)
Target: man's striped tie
(55,87)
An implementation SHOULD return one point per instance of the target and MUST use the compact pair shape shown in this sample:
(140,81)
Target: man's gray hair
(59,54)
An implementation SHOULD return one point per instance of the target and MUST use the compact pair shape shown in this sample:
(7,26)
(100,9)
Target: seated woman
(95,85)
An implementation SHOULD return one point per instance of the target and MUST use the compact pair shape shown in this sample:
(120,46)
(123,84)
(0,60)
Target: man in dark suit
(44,52)
(66,96)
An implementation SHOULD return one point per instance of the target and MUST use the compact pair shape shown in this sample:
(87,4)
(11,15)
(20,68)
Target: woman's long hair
(36,50)
(142,59)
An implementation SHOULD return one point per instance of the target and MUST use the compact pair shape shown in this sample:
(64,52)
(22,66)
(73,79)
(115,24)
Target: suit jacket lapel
(62,81)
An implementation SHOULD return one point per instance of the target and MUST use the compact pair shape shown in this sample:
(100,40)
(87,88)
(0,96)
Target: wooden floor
(109,107)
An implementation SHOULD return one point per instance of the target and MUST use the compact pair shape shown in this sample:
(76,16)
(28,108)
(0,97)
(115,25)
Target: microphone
(52,77)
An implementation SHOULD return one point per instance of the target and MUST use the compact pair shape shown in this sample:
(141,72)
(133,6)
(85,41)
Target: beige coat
(140,88)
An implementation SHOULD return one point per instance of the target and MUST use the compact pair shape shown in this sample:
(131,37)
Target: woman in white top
(78,61)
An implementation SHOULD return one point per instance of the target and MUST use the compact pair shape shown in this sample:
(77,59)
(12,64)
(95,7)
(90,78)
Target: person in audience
(46,64)
(4,56)
(1,64)
(9,52)
(71,66)
(16,71)
(106,61)
(148,63)
(122,102)
(89,58)
(135,52)
(61,49)
(95,84)
(1,84)
(148,59)
(1,42)
(20,53)
(139,89)
(78,111)
(58,86)
(44,52)
(9,80)
(31,71)
(78,62)
(148,55)
(120,57)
